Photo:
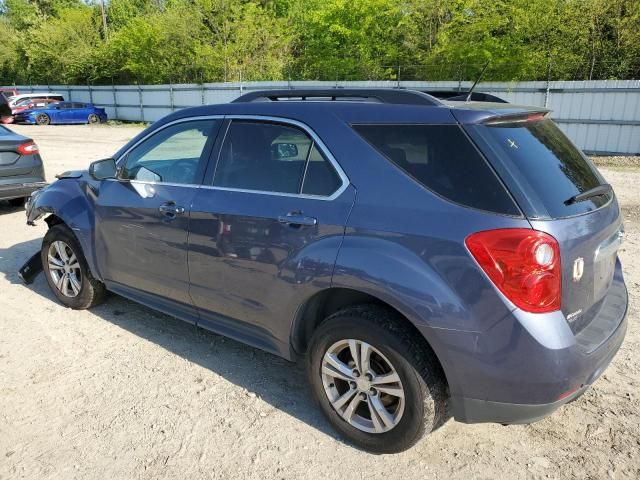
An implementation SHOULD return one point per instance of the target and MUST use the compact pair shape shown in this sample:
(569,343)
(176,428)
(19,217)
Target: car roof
(353,112)
(37,95)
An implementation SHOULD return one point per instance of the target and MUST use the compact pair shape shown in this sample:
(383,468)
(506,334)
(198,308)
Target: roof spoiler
(453,96)
(520,117)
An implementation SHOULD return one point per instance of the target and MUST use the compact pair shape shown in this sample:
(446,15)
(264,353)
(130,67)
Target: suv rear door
(544,172)
(265,229)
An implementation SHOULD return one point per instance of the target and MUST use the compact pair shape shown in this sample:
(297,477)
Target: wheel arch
(331,300)
(65,202)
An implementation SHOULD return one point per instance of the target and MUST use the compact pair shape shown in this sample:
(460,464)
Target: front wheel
(43,119)
(93,118)
(66,270)
(379,384)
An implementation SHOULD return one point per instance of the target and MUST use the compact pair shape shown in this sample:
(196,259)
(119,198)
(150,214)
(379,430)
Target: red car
(9,92)
(32,103)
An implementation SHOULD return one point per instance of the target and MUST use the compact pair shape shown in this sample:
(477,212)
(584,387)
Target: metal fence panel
(600,116)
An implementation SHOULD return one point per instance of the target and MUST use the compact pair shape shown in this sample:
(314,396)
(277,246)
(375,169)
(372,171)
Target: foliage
(160,41)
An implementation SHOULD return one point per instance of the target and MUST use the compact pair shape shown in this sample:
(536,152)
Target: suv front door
(265,230)
(142,217)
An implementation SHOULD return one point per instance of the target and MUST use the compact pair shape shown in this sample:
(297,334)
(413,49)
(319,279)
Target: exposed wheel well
(53,220)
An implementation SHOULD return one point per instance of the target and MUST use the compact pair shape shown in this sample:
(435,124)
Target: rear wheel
(43,119)
(93,118)
(67,271)
(380,386)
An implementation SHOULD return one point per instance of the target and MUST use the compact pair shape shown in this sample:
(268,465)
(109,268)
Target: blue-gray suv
(429,258)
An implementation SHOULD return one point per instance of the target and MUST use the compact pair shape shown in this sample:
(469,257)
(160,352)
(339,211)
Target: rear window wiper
(604,189)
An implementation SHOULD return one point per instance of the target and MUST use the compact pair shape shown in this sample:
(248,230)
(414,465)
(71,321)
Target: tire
(424,406)
(90,292)
(43,119)
(17,202)
(93,118)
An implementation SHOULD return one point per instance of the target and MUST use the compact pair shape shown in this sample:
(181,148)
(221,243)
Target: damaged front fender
(69,200)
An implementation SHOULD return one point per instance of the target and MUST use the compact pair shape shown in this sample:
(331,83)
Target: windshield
(545,168)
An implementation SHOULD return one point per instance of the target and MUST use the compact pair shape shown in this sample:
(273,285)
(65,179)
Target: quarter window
(272,157)
(173,155)
(441,158)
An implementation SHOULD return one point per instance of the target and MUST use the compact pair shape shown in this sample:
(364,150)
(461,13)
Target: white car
(18,100)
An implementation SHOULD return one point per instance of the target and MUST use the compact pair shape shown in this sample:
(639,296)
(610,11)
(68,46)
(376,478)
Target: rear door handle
(295,219)
(170,209)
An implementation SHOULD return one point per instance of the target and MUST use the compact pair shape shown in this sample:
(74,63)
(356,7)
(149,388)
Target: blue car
(426,257)
(62,112)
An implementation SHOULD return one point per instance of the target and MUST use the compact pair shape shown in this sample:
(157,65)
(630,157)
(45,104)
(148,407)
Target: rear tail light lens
(524,264)
(28,148)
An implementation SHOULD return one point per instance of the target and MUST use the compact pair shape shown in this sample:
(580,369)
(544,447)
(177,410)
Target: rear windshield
(542,165)
(442,159)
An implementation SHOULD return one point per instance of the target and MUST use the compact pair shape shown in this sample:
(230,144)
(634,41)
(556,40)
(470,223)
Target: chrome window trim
(315,140)
(261,118)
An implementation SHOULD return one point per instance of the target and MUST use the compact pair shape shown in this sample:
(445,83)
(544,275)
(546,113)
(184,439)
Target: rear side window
(442,159)
(544,165)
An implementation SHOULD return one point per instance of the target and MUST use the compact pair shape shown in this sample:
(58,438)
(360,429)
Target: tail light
(524,264)
(28,148)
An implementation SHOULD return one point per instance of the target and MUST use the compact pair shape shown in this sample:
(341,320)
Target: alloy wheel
(64,269)
(363,386)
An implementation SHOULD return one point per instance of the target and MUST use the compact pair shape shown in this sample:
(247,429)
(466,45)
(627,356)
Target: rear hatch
(546,174)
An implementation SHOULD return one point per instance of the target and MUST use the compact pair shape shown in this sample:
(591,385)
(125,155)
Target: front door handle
(297,219)
(170,209)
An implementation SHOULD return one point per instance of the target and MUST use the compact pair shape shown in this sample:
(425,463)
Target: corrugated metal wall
(599,116)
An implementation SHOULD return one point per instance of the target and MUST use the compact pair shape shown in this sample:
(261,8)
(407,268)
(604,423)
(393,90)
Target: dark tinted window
(545,164)
(262,156)
(442,159)
(320,177)
(272,157)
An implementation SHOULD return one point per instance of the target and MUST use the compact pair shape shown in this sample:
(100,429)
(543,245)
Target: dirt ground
(123,392)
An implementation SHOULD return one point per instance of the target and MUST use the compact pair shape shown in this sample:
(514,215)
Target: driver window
(172,155)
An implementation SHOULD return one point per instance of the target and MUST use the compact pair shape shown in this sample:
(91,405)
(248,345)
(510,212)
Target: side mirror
(102,169)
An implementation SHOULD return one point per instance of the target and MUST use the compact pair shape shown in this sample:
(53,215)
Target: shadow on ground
(280,383)
(6,208)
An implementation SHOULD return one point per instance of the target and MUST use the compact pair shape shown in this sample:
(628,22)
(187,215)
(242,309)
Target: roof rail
(388,95)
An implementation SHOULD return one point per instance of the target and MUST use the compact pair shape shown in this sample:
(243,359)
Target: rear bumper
(19,190)
(470,410)
(528,365)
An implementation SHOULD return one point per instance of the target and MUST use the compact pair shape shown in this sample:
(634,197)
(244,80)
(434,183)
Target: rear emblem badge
(578,269)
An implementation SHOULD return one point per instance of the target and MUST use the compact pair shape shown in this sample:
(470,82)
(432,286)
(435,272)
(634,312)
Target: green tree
(344,39)
(154,48)
(245,41)
(62,49)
